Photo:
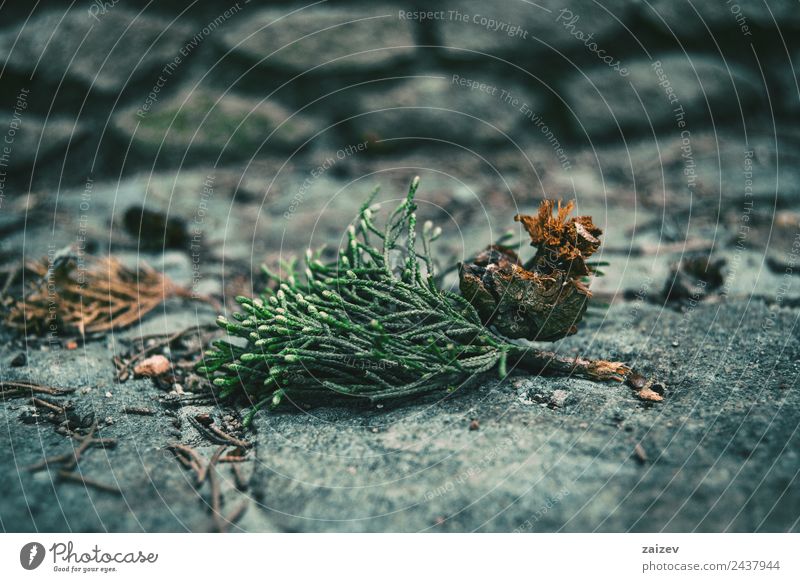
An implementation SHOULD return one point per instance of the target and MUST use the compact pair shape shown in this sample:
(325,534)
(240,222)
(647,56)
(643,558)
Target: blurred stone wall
(110,88)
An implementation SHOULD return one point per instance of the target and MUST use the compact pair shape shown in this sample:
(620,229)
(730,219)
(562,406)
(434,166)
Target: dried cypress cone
(545,299)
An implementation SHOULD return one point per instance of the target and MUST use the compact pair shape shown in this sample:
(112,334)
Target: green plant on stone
(372,324)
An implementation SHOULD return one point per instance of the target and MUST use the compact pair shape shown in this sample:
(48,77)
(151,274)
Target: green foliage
(373,324)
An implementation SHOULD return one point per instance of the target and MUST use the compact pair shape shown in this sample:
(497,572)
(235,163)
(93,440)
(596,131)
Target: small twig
(47,461)
(598,370)
(138,410)
(85,443)
(219,436)
(190,459)
(185,461)
(105,443)
(185,449)
(49,405)
(198,399)
(78,478)
(228,438)
(69,460)
(123,373)
(9,388)
(232,459)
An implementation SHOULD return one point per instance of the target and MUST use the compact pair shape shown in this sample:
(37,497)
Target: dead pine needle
(139,410)
(190,459)
(68,460)
(88,482)
(39,402)
(66,463)
(217,435)
(13,389)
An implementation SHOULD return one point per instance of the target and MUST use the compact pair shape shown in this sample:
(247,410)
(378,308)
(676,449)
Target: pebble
(19,360)
(152,366)
(636,381)
(559,398)
(640,453)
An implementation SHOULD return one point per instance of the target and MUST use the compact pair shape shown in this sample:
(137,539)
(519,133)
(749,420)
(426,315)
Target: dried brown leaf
(87,295)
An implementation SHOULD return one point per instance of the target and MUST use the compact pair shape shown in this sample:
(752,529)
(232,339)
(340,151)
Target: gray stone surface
(122,48)
(550,454)
(420,468)
(437,106)
(208,122)
(335,39)
(105,53)
(602,101)
(528,28)
(38,138)
(739,18)
(788,83)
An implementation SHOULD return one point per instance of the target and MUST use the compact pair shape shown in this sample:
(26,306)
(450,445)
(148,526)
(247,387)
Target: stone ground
(551,454)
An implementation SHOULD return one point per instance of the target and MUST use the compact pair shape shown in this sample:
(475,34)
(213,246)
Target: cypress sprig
(372,324)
